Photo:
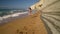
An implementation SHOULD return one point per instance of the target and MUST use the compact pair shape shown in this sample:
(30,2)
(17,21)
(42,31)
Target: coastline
(31,23)
(11,17)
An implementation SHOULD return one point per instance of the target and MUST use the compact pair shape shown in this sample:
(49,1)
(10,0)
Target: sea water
(10,11)
(9,14)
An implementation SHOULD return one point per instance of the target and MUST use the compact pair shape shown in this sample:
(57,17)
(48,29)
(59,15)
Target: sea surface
(10,14)
(7,15)
(10,11)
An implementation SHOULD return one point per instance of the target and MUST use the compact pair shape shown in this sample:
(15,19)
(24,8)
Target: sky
(18,4)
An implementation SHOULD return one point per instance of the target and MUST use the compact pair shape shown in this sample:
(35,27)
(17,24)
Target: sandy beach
(28,25)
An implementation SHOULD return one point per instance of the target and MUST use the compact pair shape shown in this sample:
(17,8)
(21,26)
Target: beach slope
(28,25)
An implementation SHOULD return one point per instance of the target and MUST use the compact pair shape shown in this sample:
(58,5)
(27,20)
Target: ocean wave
(14,15)
(17,14)
(8,12)
(6,18)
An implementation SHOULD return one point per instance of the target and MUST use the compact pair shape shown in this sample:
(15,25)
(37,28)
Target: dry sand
(28,25)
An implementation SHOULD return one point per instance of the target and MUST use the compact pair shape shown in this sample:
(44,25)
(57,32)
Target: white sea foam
(1,18)
(7,16)
(17,14)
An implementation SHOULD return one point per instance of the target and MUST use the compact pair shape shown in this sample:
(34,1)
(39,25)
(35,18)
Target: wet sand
(28,25)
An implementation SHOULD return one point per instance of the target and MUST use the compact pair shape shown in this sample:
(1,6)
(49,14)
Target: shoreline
(27,24)
(14,16)
(9,18)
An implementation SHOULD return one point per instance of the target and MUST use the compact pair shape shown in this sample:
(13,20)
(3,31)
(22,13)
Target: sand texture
(28,25)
